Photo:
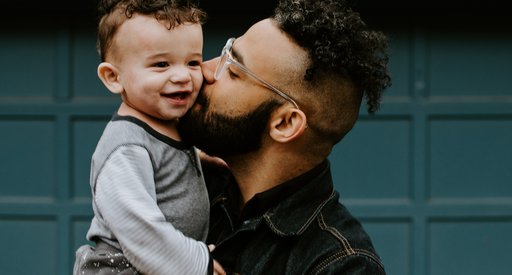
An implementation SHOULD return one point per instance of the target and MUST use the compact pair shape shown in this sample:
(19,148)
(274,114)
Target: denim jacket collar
(305,204)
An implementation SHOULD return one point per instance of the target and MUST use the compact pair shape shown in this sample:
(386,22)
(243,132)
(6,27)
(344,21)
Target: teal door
(429,175)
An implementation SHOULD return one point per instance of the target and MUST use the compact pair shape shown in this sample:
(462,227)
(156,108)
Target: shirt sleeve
(125,197)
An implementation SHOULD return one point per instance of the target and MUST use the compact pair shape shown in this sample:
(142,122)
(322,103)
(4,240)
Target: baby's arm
(126,199)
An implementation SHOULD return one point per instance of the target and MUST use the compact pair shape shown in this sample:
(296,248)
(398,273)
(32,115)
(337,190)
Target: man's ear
(109,75)
(287,124)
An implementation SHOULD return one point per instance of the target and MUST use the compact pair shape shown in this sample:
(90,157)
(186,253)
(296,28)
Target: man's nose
(208,68)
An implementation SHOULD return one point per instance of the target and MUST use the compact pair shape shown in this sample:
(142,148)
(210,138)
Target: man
(272,107)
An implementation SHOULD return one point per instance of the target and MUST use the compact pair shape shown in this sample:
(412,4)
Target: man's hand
(207,160)
(217,268)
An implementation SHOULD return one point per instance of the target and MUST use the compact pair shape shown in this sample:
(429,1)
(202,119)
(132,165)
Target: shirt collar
(293,214)
(264,201)
(287,208)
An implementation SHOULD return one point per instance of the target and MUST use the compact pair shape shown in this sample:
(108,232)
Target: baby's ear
(109,75)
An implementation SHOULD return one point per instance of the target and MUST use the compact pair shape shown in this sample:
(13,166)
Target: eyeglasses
(226,59)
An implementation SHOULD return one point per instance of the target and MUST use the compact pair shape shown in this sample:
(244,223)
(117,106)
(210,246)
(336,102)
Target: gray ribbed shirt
(149,199)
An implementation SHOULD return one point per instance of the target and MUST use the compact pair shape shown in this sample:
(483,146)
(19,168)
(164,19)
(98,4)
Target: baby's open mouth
(177,96)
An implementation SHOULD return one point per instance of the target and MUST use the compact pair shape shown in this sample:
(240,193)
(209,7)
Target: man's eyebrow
(237,56)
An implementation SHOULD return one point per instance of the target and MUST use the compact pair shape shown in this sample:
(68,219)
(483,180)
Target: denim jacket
(308,232)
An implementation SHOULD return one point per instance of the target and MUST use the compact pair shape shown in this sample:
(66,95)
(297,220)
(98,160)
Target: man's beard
(221,135)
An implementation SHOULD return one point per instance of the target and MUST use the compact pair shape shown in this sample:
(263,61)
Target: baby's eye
(194,63)
(161,64)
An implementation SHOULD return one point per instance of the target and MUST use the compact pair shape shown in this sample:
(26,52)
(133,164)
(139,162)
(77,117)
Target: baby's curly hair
(113,13)
(338,42)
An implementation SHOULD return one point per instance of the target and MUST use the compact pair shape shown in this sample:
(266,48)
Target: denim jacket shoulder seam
(333,231)
(306,223)
(343,255)
(331,259)
(370,255)
(317,213)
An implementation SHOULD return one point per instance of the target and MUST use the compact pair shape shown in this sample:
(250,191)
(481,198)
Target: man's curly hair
(113,13)
(338,42)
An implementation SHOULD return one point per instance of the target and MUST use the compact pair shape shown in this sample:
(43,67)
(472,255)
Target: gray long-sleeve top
(149,199)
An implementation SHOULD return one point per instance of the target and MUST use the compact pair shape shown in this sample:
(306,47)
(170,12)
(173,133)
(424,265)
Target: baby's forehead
(145,36)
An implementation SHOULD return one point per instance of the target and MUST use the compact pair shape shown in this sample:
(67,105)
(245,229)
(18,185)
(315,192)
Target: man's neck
(258,172)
